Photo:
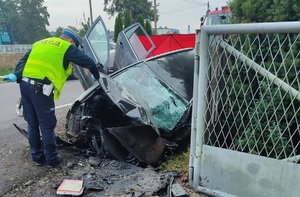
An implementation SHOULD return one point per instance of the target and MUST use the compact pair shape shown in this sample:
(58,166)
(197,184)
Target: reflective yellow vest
(46,60)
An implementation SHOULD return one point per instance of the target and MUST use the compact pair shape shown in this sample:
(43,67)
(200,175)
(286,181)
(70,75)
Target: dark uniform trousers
(39,112)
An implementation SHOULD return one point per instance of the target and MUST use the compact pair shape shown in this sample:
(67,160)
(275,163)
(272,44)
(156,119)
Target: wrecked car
(139,111)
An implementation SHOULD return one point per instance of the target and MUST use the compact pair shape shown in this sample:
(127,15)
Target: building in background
(5,38)
(166,30)
(217,17)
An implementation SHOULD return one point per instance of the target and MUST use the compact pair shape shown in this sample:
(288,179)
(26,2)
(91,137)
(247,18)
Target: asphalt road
(12,143)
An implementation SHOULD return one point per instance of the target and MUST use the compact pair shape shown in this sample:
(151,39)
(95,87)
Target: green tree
(82,31)
(140,19)
(58,31)
(8,13)
(3,15)
(127,18)
(25,19)
(148,27)
(85,25)
(265,10)
(137,7)
(254,11)
(118,26)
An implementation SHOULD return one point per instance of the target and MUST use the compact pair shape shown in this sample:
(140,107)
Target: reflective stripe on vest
(46,60)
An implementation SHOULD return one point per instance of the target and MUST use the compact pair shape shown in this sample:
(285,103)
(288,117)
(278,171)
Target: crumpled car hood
(142,110)
(122,133)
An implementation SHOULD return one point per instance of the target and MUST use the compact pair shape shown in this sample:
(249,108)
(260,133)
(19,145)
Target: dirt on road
(101,176)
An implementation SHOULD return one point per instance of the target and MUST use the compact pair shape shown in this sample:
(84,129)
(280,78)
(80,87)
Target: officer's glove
(93,78)
(10,77)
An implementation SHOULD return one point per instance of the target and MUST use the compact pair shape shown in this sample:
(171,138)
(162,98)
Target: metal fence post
(194,110)
(202,104)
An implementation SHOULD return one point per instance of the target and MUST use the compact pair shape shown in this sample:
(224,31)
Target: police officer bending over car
(41,74)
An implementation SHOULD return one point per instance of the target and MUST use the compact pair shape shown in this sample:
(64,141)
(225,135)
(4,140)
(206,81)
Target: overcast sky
(178,14)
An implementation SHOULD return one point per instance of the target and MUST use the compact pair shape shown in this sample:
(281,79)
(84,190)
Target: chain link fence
(253,103)
(247,110)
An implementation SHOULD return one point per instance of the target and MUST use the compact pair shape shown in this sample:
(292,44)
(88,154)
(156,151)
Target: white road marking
(61,106)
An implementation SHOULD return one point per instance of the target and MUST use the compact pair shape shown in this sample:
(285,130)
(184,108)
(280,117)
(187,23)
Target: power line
(176,11)
(196,2)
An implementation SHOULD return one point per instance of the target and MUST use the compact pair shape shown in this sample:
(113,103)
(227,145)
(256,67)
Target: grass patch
(6,70)
(8,62)
(178,162)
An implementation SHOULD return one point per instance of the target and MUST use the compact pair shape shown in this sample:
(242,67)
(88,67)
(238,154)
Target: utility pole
(155,18)
(91,12)
(207,9)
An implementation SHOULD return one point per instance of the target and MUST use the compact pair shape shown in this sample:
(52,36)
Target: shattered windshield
(165,106)
(176,70)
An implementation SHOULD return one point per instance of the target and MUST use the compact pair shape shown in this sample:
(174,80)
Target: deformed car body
(138,112)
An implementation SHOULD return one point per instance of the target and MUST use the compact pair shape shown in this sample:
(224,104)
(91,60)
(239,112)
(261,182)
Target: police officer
(41,74)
